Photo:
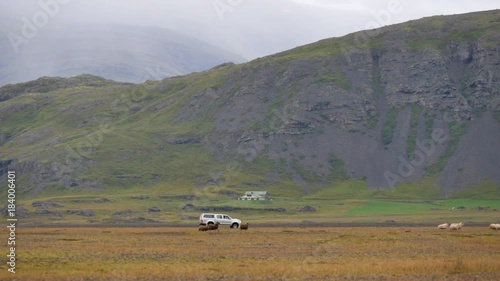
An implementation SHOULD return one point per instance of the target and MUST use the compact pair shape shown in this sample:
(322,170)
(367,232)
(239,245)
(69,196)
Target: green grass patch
(485,190)
(338,171)
(423,189)
(456,130)
(171,163)
(429,126)
(253,126)
(371,121)
(337,77)
(379,207)
(353,189)
(418,43)
(412,135)
(260,165)
(470,203)
(327,47)
(389,126)
(470,28)
(305,174)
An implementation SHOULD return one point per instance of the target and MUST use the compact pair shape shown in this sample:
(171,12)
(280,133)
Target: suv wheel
(234,225)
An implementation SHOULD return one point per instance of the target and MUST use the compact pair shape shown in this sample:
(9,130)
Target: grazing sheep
(203,228)
(214,226)
(456,226)
(244,226)
(443,226)
(495,226)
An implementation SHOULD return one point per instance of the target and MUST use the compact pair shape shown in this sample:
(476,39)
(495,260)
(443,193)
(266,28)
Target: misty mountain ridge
(415,106)
(117,52)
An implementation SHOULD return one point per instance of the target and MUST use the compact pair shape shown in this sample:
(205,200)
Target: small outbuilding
(255,195)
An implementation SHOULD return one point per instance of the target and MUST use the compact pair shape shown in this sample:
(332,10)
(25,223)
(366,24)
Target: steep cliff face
(388,106)
(376,103)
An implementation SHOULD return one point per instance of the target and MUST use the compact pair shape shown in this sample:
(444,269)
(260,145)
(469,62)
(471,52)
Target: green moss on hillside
(304,173)
(418,43)
(337,77)
(389,126)
(429,126)
(338,169)
(469,28)
(412,135)
(456,130)
(371,121)
(423,189)
(486,190)
(352,189)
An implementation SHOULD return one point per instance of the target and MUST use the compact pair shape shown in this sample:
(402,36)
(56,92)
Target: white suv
(209,218)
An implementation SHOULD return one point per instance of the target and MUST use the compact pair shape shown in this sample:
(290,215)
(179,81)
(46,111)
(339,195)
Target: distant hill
(413,106)
(121,53)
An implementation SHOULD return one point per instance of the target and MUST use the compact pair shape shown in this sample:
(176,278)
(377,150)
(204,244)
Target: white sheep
(456,226)
(443,226)
(495,226)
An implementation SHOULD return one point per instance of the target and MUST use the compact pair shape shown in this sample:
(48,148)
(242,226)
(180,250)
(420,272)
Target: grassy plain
(261,253)
(330,206)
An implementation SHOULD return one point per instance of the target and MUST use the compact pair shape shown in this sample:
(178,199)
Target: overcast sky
(251,28)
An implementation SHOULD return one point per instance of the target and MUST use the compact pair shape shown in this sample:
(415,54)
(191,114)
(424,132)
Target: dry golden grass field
(261,253)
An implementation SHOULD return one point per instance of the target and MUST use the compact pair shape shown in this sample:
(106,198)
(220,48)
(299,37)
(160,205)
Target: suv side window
(227,218)
(209,216)
(219,216)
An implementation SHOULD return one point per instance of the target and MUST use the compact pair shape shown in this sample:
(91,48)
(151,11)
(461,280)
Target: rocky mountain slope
(121,53)
(414,104)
